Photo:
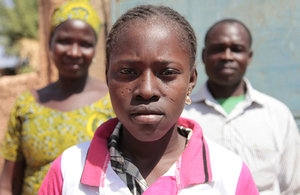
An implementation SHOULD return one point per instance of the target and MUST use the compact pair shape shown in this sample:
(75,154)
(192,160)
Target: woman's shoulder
(25,97)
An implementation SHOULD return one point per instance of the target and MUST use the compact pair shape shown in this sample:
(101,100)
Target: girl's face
(73,47)
(149,76)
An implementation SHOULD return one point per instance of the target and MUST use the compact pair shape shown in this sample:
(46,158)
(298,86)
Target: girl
(148,148)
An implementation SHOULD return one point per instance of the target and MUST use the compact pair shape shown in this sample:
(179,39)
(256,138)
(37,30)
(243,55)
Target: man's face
(227,54)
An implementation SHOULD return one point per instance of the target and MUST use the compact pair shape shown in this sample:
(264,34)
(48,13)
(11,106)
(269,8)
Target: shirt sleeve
(53,182)
(11,145)
(246,184)
(289,178)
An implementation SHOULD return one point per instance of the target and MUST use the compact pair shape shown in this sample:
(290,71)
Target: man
(257,127)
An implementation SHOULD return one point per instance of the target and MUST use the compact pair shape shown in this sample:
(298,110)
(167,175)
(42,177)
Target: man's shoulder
(269,101)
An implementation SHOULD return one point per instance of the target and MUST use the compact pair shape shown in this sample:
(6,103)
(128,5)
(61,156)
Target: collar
(204,94)
(194,163)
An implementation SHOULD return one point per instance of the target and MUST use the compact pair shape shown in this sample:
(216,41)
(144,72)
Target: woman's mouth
(72,66)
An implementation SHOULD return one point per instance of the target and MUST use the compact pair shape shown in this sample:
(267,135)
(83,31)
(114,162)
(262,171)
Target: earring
(188,99)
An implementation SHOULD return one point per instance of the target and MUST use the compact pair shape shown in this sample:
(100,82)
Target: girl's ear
(193,78)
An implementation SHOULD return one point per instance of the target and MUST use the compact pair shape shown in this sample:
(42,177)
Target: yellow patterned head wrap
(76,9)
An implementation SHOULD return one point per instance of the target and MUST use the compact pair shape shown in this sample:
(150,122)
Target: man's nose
(227,54)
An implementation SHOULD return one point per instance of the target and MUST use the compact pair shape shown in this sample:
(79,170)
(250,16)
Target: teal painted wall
(275,27)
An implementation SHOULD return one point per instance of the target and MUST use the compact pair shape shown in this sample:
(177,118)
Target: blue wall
(275,27)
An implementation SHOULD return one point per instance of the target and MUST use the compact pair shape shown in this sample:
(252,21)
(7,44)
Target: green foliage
(17,22)
(25,69)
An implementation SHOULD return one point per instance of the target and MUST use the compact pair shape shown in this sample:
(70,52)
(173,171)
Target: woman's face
(149,77)
(73,47)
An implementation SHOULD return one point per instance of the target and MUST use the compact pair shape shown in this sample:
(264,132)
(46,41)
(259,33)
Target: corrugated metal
(275,26)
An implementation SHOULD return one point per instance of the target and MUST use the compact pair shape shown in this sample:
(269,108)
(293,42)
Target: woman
(148,148)
(45,122)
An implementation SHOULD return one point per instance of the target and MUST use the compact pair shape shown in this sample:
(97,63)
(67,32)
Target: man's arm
(289,177)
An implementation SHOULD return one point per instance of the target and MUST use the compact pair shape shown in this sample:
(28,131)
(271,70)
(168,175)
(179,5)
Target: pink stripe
(194,168)
(96,161)
(53,181)
(103,176)
(246,185)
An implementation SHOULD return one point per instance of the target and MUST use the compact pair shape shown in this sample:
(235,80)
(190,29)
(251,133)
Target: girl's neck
(146,155)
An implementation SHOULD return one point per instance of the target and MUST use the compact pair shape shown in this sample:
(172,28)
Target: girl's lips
(147,118)
(147,114)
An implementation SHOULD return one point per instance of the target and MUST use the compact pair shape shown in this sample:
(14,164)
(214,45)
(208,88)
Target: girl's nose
(147,87)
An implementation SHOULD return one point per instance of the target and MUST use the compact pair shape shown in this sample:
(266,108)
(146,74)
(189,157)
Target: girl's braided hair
(162,13)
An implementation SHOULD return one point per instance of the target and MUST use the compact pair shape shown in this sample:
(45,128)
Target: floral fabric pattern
(37,134)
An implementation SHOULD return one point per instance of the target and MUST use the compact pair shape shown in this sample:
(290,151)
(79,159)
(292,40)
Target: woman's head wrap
(76,9)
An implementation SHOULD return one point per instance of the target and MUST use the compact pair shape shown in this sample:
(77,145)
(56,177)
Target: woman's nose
(74,50)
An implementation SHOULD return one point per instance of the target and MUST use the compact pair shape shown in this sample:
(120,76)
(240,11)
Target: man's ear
(250,55)
(203,55)
(193,78)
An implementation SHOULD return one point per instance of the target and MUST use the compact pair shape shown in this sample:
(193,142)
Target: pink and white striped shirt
(204,167)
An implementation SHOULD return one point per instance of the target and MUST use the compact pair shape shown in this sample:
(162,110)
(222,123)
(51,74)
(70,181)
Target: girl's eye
(169,72)
(127,71)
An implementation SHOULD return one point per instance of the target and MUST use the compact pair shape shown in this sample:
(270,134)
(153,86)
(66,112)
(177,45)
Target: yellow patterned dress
(38,134)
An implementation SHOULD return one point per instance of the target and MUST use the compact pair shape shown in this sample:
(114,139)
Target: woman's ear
(106,76)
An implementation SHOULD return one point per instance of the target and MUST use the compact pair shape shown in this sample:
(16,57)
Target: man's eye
(127,71)
(217,49)
(237,49)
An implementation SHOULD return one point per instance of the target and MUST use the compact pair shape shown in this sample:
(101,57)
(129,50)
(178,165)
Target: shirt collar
(191,172)
(204,94)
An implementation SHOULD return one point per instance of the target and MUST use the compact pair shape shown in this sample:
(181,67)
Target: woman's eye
(87,45)
(64,42)
(127,71)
